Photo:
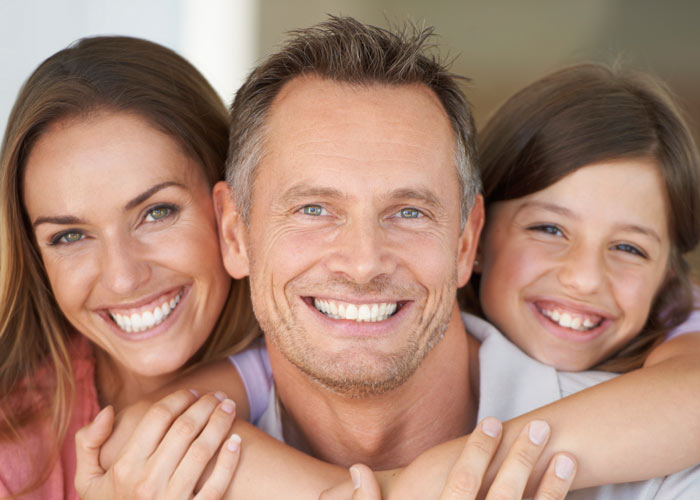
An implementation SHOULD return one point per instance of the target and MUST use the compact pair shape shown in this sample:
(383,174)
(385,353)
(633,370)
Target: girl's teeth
(359,313)
(568,320)
(138,322)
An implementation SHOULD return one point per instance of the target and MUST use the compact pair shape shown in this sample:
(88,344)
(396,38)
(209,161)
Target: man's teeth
(139,322)
(573,321)
(363,312)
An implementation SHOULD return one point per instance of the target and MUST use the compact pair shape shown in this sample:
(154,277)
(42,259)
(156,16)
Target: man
(352,204)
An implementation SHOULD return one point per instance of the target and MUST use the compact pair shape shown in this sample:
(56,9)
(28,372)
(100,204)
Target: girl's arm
(640,425)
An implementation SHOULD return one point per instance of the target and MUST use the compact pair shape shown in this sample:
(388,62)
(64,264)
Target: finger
(88,442)
(365,483)
(149,433)
(557,478)
(216,485)
(515,471)
(203,448)
(466,475)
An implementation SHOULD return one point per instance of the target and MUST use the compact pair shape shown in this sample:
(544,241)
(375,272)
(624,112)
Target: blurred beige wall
(504,45)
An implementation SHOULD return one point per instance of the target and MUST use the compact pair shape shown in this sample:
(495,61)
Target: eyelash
(415,213)
(550,229)
(170,210)
(631,249)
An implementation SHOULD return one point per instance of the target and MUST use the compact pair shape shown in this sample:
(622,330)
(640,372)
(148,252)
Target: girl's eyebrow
(634,228)
(134,202)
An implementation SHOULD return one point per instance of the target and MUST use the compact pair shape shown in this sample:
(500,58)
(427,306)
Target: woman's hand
(167,453)
(464,481)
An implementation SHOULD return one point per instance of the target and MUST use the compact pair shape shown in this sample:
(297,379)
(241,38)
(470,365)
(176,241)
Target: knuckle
(210,492)
(482,446)
(462,484)
(184,427)
(144,490)
(121,472)
(551,493)
(200,453)
(161,412)
(524,458)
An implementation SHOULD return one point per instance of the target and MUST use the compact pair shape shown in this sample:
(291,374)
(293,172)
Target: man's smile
(359,312)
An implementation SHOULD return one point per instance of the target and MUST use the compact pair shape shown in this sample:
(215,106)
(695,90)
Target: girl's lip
(570,306)
(569,334)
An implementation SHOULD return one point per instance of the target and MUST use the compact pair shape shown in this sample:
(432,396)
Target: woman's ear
(232,231)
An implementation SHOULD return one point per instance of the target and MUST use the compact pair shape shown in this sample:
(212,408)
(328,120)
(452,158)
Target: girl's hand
(465,479)
(167,453)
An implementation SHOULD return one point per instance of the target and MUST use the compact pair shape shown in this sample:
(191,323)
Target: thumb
(365,483)
(88,442)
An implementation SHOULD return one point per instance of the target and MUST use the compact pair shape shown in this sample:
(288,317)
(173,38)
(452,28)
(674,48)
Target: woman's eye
(70,236)
(158,213)
(631,249)
(548,229)
(409,213)
(314,210)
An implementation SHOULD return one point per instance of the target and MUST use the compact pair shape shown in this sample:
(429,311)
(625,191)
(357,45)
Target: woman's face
(124,222)
(569,272)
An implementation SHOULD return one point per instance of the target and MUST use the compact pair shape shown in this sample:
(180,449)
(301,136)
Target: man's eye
(70,236)
(409,213)
(314,210)
(158,213)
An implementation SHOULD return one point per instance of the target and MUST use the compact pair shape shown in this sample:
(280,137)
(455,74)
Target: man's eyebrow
(134,202)
(424,195)
(301,192)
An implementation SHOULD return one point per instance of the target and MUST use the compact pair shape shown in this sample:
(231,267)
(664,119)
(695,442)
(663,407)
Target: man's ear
(469,241)
(232,231)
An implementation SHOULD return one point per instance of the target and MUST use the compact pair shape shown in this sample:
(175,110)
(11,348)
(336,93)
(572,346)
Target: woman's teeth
(573,321)
(354,312)
(139,322)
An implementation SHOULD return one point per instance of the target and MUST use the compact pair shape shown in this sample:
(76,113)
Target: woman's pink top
(16,468)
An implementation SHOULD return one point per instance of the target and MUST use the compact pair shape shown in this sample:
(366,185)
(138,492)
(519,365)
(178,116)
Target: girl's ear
(469,241)
(232,231)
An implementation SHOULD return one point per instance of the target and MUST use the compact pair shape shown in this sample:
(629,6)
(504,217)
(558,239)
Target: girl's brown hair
(112,74)
(587,114)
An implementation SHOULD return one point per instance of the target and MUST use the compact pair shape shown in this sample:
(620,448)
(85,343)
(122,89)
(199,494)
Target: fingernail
(564,467)
(491,426)
(220,395)
(228,406)
(194,391)
(234,442)
(355,475)
(539,430)
(101,415)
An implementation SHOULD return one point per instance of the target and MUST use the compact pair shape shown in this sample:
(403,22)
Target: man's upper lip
(358,300)
(544,302)
(154,298)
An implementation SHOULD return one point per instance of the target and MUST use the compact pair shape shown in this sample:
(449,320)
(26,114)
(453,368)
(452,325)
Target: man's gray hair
(343,49)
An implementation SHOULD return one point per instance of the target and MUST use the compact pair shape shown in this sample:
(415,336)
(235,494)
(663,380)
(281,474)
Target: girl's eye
(315,210)
(158,213)
(548,229)
(409,213)
(70,236)
(631,249)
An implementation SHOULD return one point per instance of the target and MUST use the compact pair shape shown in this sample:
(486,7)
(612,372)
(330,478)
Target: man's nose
(582,269)
(362,252)
(123,268)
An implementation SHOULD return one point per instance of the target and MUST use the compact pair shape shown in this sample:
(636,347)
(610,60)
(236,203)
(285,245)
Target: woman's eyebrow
(136,201)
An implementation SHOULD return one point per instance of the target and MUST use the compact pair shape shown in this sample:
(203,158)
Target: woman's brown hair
(100,74)
(586,114)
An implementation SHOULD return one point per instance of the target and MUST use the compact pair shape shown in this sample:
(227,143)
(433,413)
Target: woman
(108,234)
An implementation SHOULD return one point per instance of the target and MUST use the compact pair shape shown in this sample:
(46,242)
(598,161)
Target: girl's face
(569,272)
(124,222)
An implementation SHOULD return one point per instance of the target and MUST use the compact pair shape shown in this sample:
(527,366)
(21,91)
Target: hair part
(100,74)
(344,50)
(587,114)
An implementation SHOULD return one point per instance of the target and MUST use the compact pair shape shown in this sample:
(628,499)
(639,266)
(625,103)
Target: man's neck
(437,403)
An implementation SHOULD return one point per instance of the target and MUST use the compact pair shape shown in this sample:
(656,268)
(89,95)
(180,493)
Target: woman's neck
(119,387)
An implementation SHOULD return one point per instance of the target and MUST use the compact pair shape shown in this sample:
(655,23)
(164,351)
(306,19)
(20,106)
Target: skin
(581,247)
(111,250)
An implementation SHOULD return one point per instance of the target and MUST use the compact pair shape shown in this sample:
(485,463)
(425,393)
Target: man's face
(354,245)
